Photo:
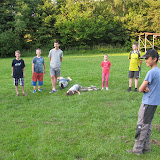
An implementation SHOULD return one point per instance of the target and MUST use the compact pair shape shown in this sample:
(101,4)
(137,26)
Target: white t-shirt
(74,88)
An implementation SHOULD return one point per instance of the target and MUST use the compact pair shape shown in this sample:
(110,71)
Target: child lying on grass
(77,88)
(63,82)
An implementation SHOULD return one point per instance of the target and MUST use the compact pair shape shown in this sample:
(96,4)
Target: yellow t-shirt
(134,61)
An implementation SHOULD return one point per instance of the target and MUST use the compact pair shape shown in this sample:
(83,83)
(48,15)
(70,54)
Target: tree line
(27,24)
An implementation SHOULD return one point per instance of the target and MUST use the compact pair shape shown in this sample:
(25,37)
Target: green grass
(95,125)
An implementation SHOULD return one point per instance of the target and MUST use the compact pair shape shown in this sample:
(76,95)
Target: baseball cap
(151,53)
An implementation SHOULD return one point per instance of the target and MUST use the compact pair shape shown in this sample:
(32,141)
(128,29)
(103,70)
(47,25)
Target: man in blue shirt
(151,99)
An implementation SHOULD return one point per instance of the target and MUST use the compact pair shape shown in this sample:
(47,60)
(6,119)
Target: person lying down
(78,88)
(63,82)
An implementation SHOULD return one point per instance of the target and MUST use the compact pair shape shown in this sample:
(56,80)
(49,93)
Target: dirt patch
(124,139)
(156,142)
(156,126)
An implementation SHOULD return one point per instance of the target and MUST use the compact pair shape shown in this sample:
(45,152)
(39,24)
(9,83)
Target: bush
(8,43)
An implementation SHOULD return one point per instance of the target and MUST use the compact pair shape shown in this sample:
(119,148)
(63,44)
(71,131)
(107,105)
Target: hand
(12,75)
(23,75)
(44,71)
(146,89)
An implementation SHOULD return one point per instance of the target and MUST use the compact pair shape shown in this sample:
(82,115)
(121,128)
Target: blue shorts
(20,80)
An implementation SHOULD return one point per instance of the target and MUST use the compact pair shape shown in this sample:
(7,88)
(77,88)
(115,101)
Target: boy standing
(55,56)
(134,68)
(151,89)
(18,72)
(37,71)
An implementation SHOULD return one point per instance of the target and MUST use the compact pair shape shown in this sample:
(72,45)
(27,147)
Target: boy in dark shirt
(18,72)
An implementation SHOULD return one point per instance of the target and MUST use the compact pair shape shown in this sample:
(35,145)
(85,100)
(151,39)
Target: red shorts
(37,76)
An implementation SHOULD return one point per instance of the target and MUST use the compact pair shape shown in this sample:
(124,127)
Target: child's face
(56,45)
(105,58)
(134,47)
(17,55)
(150,61)
(38,52)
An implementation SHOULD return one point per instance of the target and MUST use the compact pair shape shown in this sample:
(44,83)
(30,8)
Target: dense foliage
(26,24)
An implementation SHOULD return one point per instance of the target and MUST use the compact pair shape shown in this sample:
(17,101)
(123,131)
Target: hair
(38,49)
(69,93)
(17,51)
(152,53)
(56,42)
(136,44)
(105,55)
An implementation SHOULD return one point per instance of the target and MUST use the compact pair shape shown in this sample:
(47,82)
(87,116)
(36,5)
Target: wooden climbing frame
(144,42)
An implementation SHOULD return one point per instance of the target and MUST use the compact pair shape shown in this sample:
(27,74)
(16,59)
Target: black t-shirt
(18,66)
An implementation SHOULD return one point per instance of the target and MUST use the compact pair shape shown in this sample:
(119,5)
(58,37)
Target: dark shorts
(55,71)
(20,80)
(135,74)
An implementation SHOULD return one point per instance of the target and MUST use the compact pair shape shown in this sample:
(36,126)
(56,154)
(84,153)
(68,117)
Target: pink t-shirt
(105,66)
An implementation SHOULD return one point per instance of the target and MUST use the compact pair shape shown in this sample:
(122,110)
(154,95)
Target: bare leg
(17,90)
(53,81)
(130,82)
(136,82)
(69,78)
(23,89)
(34,87)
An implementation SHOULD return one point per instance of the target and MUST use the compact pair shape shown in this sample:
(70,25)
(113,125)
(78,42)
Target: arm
(61,59)
(44,68)
(50,58)
(144,87)
(78,92)
(12,72)
(32,68)
(23,72)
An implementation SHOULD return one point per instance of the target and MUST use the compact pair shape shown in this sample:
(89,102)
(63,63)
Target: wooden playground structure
(148,40)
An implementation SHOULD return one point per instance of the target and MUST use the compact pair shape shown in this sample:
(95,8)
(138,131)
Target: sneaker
(107,88)
(137,153)
(135,90)
(129,89)
(40,90)
(34,91)
(53,91)
(95,89)
(102,89)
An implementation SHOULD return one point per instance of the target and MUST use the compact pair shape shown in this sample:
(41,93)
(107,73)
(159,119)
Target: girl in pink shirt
(105,71)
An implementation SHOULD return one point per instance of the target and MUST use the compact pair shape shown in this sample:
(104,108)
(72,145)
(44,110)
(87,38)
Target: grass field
(92,126)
